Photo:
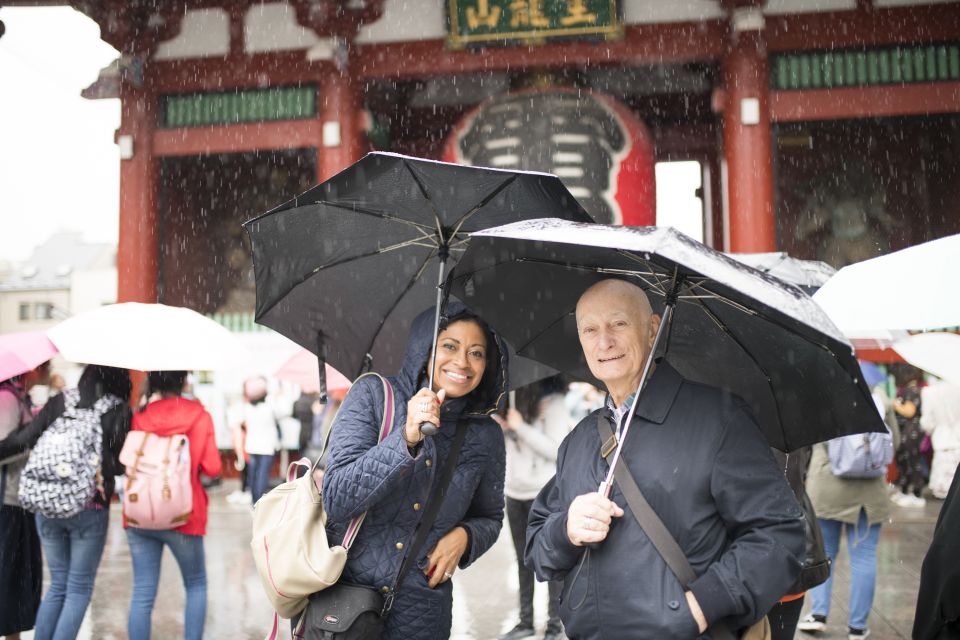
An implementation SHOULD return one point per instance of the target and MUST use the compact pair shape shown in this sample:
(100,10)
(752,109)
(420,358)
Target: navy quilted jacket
(393,487)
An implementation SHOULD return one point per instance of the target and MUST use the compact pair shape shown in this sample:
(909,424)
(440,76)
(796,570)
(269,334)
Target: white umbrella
(937,353)
(147,337)
(913,289)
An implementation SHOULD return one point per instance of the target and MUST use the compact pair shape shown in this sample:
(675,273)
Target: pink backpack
(157,492)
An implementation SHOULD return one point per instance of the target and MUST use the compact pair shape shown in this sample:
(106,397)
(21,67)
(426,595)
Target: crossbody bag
(661,538)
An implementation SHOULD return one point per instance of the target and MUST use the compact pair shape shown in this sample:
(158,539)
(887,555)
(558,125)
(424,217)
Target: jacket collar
(658,396)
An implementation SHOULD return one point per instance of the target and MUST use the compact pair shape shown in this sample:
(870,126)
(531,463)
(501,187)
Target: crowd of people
(750,546)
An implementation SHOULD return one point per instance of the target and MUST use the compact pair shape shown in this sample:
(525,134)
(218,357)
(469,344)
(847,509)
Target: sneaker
(899,498)
(554,635)
(857,634)
(518,632)
(915,502)
(239,497)
(813,623)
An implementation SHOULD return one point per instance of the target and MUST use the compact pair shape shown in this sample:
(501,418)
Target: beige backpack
(290,547)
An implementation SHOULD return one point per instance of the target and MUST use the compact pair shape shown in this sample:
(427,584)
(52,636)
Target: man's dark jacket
(703,465)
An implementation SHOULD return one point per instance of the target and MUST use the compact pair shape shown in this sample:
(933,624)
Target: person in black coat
(704,467)
(393,481)
(938,602)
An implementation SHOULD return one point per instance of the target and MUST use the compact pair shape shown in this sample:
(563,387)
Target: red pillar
(138,246)
(747,140)
(340,112)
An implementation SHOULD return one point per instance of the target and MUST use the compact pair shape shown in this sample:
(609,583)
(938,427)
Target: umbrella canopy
(24,351)
(733,326)
(302,370)
(343,269)
(908,290)
(809,275)
(937,353)
(147,337)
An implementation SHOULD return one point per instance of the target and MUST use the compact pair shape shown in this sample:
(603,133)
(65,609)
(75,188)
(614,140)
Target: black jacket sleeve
(549,551)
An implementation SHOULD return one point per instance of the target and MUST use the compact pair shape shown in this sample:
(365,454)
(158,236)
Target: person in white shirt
(941,419)
(534,430)
(262,435)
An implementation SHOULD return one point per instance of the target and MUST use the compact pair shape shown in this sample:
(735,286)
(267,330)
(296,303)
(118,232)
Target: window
(43,311)
(24,310)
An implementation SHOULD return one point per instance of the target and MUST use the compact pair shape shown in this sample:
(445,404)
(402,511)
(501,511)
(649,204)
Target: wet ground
(484,595)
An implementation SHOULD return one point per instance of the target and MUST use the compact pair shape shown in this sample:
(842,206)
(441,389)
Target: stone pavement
(484,595)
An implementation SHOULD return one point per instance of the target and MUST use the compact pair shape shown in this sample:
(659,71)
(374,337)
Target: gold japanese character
(483,15)
(528,13)
(577,13)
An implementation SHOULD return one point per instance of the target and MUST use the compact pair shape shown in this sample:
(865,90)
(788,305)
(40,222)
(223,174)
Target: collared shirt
(621,411)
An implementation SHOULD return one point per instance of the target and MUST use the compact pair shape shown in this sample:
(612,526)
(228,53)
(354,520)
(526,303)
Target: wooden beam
(865,102)
(863,28)
(642,44)
(285,68)
(237,138)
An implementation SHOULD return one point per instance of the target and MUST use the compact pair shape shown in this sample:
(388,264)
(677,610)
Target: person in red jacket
(171,415)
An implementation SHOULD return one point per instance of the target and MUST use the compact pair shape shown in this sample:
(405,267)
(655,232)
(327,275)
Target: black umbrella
(344,268)
(732,326)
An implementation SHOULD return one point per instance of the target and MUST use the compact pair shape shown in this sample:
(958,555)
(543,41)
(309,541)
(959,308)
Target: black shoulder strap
(661,538)
(430,513)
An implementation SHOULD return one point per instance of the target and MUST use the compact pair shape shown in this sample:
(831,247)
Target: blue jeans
(862,547)
(72,548)
(259,470)
(146,550)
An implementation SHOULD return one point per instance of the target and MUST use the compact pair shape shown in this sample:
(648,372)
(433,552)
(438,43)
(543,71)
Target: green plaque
(486,22)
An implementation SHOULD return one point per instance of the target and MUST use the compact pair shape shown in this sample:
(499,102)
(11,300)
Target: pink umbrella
(22,352)
(302,370)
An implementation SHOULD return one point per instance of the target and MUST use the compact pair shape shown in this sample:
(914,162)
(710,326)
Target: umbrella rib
(423,228)
(330,265)
(750,355)
(383,320)
(426,196)
(490,196)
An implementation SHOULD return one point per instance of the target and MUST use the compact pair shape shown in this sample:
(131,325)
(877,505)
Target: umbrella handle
(428,429)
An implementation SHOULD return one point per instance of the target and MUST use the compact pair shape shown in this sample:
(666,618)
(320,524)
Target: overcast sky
(59,166)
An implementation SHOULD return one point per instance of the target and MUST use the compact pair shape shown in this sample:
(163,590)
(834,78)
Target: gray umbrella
(809,275)
(732,326)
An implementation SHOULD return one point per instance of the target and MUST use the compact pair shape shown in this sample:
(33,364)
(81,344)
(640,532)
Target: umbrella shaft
(427,428)
(607,483)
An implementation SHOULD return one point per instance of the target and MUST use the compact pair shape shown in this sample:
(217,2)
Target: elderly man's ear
(652,331)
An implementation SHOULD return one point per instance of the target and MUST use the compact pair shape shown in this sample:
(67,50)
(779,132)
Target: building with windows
(63,276)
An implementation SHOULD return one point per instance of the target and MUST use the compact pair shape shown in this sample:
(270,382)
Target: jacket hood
(491,393)
(169,416)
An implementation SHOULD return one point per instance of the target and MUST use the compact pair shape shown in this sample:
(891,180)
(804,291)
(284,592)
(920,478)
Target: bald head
(627,292)
(617,328)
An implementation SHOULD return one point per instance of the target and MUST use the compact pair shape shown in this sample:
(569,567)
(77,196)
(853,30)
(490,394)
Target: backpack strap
(386,425)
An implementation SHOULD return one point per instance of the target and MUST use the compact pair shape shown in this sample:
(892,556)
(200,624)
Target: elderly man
(702,464)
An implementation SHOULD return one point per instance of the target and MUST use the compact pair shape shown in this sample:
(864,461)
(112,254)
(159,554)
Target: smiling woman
(51,135)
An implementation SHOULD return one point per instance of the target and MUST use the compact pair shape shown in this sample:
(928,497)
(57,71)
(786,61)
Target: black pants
(784,618)
(517,513)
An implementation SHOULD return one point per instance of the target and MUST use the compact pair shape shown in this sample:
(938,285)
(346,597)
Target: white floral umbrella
(148,337)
